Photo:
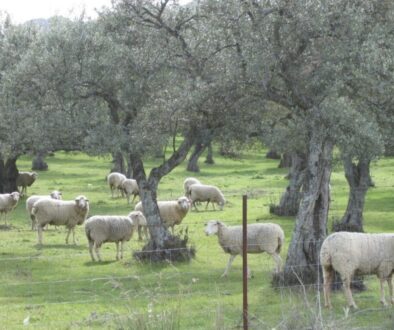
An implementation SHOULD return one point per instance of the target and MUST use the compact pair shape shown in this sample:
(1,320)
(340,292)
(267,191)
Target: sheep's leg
(73,231)
(139,233)
(206,206)
(39,232)
(230,261)
(117,250)
(91,244)
(348,292)
(121,249)
(135,196)
(278,261)
(328,276)
(382,298)
(390,284)
(195,206)
(97,249)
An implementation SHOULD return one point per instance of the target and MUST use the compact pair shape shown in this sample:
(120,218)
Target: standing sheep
(7,203)
(187,183)
(262,237)
(34,198)
(130,187)
(110,228)
(206,193)
(171,212)
(364,254)
(60,213)
(114,180)
(24,180)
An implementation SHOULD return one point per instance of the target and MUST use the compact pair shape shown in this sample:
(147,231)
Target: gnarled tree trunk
(38,162)
(302,263)
(162,245)
(209,159)
(359,180)
(192,165)
(291,198)
(8,174)
(286,160)
(118,163)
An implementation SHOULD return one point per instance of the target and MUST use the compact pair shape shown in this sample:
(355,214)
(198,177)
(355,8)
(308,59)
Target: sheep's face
(184,203)
(137,217)
(15,196)
(56,194)
(211,227)
(82,202)
(34,175)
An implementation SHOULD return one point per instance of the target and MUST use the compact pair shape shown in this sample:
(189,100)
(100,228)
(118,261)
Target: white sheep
(24,180)
(110,228)
(7,203)
(171,212)
(130,187)
(188,182)
(261,237)
(114,180)
(34,198)
(357,253)
(206,193)
(60,213)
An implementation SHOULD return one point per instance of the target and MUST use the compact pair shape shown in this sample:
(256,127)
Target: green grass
(58,287)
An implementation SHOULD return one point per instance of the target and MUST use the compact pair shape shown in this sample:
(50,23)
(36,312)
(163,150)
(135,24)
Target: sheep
(34,198)
(261,237)
(171,212)
(206,193)
(24,180)
(351,253)
(129,187)
(7,203)
(58,212)
(114,180)
(187,183)
(110,228)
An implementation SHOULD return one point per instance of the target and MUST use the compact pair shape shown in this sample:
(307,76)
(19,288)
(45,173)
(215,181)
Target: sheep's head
(34,175)
(184,203)
(56,194)
(212,227)
(137,217)
(15,196)
(221,204)
(82,202)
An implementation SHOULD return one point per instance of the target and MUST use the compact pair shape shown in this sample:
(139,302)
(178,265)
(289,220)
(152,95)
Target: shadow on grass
(6,227)
(60,246)
(99,263)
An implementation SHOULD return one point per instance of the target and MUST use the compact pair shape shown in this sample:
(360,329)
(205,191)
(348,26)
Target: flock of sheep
(344,252)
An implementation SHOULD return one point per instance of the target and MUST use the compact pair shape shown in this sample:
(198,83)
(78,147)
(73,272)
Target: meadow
(57,286)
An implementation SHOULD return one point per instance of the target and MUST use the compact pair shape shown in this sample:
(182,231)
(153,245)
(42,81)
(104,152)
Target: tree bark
(209,159)
(272,154)
(286,160)
(38,163)
(8,174)
(192,165)
(162,245)
(359,180)
(291,198)
(118,163)
(302,264)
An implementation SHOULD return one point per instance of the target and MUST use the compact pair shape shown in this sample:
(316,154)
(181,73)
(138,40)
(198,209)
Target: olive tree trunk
(162,245)
(291,198)
(359,180)
(118,164)
(209,158)
(38,162)
(192,165)
(8,174)
(302,263)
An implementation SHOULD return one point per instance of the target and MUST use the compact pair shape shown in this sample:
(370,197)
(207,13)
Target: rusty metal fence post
(245,260)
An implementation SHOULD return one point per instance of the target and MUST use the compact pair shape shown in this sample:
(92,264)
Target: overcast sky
(24,10)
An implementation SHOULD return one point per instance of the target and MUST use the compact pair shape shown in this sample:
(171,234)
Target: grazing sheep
(187,183)
(171,212)
(34,198)
(262,237)
(60,213)
(130,187)
(142,226)
(114,180)
(206,193)
(7,203)
(110,228)
(24,180)
(357,253)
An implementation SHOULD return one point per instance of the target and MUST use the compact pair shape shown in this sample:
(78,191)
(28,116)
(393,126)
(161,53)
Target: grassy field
(58,287)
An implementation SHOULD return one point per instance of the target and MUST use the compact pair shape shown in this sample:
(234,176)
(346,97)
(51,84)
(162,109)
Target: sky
(24,10)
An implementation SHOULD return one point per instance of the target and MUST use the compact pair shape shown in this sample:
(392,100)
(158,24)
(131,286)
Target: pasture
(57,286)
